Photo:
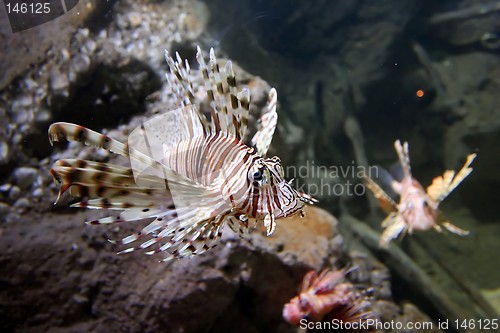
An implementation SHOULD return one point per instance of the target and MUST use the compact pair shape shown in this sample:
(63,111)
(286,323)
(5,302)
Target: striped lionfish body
(417,209)
(190,174)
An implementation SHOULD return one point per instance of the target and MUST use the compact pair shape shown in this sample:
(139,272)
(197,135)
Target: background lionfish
(417,209)
(326,296)
(189,173)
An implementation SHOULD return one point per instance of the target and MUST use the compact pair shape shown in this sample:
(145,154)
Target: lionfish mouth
(297,209)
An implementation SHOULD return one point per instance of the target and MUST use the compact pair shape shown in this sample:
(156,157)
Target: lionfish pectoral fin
(270,223)
(395,227)
(238,224)
(187,241)
(62,189)
(62,131)
(385,201)
(155,135)
(308,280)
(262,139)
(176,239)
(443,185)
(443,222)
(454,229)
(388,179)
(389,220)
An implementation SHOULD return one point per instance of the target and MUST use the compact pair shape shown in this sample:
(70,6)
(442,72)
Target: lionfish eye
(257,175)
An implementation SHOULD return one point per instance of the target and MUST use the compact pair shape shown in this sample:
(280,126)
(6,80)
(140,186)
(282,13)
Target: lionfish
(326,296)
(417,208)
(190,174)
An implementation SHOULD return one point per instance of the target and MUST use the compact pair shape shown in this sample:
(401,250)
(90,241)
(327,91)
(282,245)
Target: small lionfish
(417,208)
(189,174)
(326,296)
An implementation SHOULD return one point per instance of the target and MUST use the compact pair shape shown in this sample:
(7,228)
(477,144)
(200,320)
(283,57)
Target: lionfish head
(276,195)
(297,309)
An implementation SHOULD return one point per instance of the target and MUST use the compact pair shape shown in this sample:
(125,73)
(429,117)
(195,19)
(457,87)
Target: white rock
(14,193)
(25,177)
(4,208)
(4,152)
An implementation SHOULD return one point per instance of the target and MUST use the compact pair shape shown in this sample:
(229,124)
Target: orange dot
(420,93)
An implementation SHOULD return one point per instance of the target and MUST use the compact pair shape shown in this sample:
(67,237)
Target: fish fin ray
(385,201)
(267,123)
(404,156)
(443,185)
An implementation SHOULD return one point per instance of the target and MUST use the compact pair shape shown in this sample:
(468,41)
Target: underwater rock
(467,22)
(4,152)
(25,177)
(314,55)
(63,55)
(14,193)
(36,42)
(144,295)
(80,63)
(58,81)
(134,19)
(4,208)
(78,280)
(476,127)
(22,205)
(294,236)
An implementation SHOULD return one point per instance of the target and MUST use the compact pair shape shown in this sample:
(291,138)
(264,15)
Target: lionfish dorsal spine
(268,121)
(404,156)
